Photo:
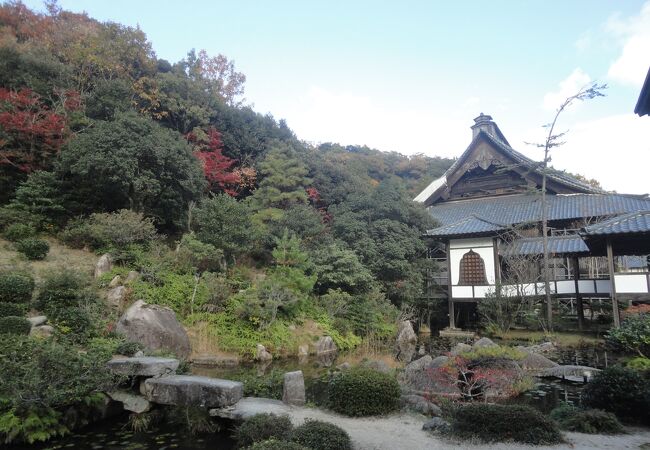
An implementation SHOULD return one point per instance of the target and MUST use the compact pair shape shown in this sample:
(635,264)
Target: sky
(410,76)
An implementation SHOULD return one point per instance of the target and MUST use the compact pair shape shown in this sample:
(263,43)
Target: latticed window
(472,269)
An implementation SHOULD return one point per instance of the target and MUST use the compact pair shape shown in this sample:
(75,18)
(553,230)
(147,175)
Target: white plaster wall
(483,246)
(631,284)
(566,287)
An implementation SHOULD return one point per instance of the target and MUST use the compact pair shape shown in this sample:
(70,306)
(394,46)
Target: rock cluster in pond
(155,327)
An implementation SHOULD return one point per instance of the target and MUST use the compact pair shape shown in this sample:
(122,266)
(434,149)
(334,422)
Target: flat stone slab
(215,361)
(191,390)
(131,402)
(37,320)
(573,373)
(250,406)
(143,366)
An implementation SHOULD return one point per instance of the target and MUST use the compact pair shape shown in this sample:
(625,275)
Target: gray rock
(436,424)
(534,362)
(439,361)
(104,265)
(379,366)
(420,404)
(419,364)
(303,350)
(460,348)
(251,406)
(544,347)
(189,390)
(37,320)
(406,341)
(262,354)
(116,296)
(325,345)
(138,354)
(293,390)
(484,342)
(146,366)
(131,277)
(215,361)
(131,402)
(43,331)
(344,366)
(116,281)
(419,377)
(155,327)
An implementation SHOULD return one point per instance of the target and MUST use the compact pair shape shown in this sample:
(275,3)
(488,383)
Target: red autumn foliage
(31,134)
(217,167)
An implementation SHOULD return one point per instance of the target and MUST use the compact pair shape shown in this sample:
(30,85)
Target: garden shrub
(274,444)
(173,290)
(16,287)
(621,391)
(128,348)
(592,421)
(193,255)
(318,435)
(19,231)
(74,323)
(268,386)
(62,289)
(502,423)
(563,411)
(11,309)
(639,363)
(363,392)
(33,249)
(14,325)
(262,427)
(633,336)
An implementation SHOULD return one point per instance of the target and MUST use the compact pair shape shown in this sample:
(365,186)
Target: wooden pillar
(497,262)
(579,305)
(452,320)
(612,283)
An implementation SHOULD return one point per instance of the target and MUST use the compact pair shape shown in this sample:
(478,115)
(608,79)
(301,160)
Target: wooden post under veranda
(579,305)
(612,283)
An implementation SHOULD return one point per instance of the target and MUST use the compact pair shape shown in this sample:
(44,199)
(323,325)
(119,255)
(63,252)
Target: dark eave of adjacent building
(643,103)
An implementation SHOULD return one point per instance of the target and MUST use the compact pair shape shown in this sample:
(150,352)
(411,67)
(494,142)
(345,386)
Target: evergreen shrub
(274,444)
(33,249)
(262,427)
(318,435)
(621,391)
(19,231)
(16,287)
(502,423)
(128,348)
(592,421)
(14,325)
(633,336)
(11,309)
(363,392)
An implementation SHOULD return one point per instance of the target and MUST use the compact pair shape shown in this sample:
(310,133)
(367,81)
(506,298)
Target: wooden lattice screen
(472,270)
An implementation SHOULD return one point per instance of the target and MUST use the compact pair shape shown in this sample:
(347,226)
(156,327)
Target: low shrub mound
(18,231)
(318,435)
(363,392)
(621,391)
(14,325)
(16,287)
(128,348)
(263,427)
(274,444)
(639,363)
(33,249)
(11,309)
(503,423)
(563,412)
(592,421)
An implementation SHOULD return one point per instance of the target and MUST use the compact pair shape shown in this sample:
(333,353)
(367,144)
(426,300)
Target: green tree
(133,163)
(340,268)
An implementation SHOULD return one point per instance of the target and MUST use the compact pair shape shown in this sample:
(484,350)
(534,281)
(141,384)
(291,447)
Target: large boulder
(189,390)
(406,341)
(325,345)
(483,343)
(116,296)
(293,390)
(460,348)
(420,404)
(104,265)
(155,327)
(146,366)
(534,362)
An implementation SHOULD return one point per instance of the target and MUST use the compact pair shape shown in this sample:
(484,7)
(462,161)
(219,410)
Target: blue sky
(410,76)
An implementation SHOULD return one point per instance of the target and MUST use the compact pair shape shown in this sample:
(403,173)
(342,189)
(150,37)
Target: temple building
(488,210)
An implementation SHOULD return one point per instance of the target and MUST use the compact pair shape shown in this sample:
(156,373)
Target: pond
(115,434)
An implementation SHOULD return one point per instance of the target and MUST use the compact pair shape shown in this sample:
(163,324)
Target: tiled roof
(471,225)
(535,246)
(635,222)
(523,208)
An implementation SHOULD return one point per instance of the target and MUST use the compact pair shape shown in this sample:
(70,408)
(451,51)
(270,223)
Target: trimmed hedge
(318,435)
(14,325)
(16,287)
(33,249)
(11,309)
(262,427)
(621,391)
(19,231)
(363,392)
(502,423)
(592,421)
(274,444)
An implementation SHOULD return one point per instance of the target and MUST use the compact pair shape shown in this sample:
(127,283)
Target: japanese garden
(179,270)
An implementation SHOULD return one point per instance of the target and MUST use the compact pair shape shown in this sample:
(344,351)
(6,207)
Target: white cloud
(614,150)
(567,87)
(634,35)
(583,43)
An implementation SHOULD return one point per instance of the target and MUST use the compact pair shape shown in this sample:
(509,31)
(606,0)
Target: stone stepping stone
(144,366)
(191,390)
